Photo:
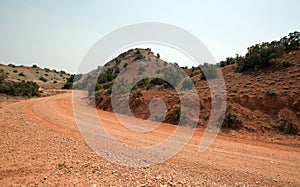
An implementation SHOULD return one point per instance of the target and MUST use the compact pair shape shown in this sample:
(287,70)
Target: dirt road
(41,145)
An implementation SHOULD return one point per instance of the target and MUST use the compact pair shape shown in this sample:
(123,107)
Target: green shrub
(228,61)
(292,41)
(15,71)
(24,89)
(287,64)
(98,93)
(149,86)
(69,83)
(116,70)
(260,55)
(187,84)
(174,74)
(34,66)
(231,120)
(157,81)
(139,55)
(21,74)
(143,83)
(12,65)
(209,71)
(137,93)
(286,126)
(43,79)
(106,76)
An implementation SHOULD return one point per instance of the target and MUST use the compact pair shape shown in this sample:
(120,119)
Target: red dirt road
(40,145)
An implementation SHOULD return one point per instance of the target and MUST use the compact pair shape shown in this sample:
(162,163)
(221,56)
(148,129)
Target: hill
(261,100)
(44,77)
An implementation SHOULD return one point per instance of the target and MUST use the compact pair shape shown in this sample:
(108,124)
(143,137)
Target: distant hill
(44,77)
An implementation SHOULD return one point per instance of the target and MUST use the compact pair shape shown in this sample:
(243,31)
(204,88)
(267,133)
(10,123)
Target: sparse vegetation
(21,74)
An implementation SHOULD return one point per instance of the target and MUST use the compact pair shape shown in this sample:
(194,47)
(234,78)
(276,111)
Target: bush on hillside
(69,83)
(292,41)
(209,71)
(173,74)
(260,55)
(23,88)
(11,65)
(107,76)
(227,62)
(286,126)
(287,64)
(187,84)
(43,79)
(231,120)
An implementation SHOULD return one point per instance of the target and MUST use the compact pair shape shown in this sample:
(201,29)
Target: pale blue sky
(58,33)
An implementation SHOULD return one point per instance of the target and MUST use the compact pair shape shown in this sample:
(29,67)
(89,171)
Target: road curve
(41,145)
